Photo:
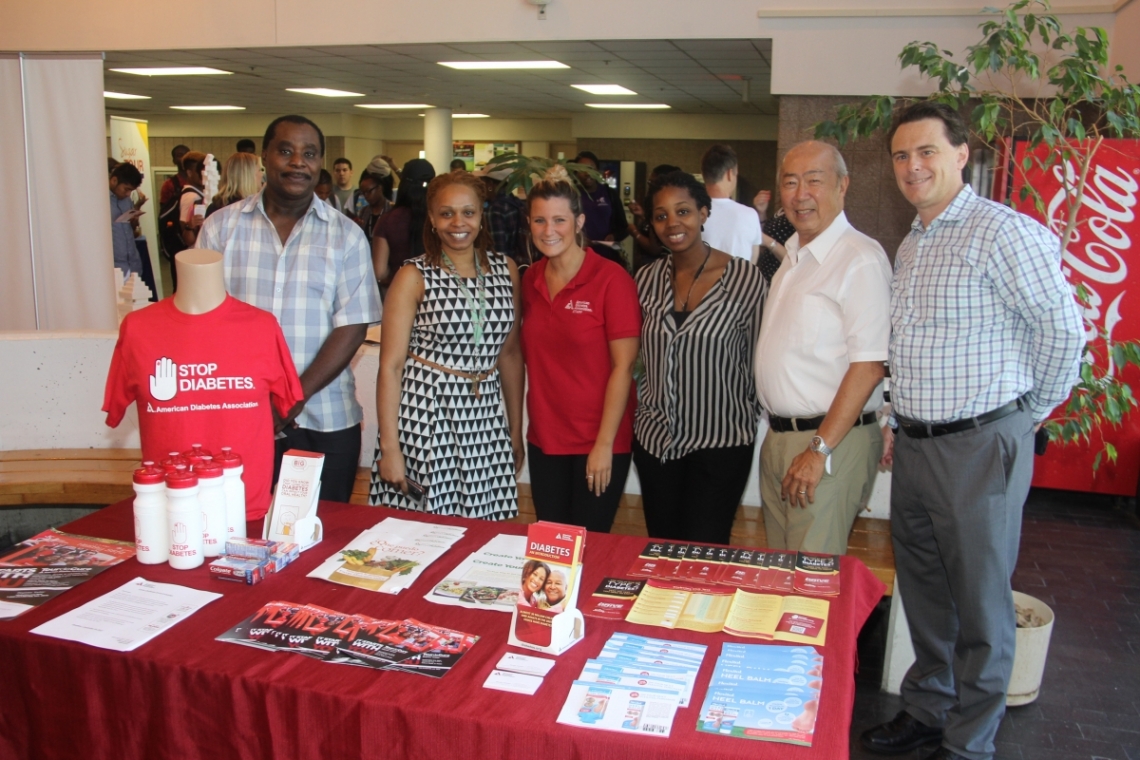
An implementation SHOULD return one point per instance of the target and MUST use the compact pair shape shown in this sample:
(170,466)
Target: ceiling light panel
(325,92)
(630,106)
(604,89)
(173,71)
(392,106)
(124,96)
(502,65)
(208,108)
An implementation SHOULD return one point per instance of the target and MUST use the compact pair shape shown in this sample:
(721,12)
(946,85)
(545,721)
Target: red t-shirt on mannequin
(205,378)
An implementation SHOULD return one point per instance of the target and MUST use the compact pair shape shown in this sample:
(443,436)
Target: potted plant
(523,171)
(1029,79)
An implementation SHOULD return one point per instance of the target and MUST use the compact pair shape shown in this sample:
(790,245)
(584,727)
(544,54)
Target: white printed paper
(519,683)
(522,663)
(645,712)
(128,617)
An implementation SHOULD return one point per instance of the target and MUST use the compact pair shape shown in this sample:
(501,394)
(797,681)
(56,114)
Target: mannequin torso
(201,281)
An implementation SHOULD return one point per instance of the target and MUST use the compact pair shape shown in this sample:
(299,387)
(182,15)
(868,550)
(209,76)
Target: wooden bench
(66,476)
(103,476)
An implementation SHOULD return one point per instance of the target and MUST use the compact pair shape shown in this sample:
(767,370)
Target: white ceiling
(692,76)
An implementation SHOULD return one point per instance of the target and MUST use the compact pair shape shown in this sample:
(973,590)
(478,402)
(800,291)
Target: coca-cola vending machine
(1100,256)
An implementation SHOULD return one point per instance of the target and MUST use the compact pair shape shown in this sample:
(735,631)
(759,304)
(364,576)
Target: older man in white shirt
(819,361)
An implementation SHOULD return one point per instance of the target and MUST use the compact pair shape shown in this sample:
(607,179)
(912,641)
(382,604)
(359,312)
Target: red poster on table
(1100,256)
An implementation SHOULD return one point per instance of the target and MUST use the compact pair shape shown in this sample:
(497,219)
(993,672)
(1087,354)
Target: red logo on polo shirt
(579,307)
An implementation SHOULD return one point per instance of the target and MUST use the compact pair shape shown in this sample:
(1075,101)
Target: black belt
(803,424)
(917,429)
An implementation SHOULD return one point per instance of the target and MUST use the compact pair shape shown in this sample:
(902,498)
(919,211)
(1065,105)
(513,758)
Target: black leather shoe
(944,754)
(900,735)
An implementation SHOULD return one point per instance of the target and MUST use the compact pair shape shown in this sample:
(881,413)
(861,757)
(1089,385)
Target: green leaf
(1110,450)
(1112,410)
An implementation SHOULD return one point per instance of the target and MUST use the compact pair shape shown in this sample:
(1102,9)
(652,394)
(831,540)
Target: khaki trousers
(825,524)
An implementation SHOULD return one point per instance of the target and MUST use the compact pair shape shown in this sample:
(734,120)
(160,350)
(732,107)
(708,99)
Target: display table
(185,695)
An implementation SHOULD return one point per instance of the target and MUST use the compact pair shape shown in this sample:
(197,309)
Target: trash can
(1032,649)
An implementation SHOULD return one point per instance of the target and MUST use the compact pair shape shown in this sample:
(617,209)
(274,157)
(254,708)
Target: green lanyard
(478,310)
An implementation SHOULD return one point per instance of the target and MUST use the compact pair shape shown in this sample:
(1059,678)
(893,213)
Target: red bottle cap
(228,458)
(181,479)
(208,469)
(196,450)
(149,475)
(173,459)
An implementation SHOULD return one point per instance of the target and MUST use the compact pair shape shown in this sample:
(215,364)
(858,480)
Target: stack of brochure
(518,673)
(389,556)
(353,639)
(634,686)
(488,579)
(766,692)
(46,565)
(752,569)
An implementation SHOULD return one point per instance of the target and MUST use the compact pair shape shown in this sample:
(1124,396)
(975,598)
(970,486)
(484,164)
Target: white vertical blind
(58,256)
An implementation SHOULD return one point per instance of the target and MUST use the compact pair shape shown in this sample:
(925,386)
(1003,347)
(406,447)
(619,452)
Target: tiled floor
(1081,556)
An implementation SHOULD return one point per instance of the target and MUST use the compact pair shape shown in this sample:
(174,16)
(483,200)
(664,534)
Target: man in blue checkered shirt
(986,341)
(290,253)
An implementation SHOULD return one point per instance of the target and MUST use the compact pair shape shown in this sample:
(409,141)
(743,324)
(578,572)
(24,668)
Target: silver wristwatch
(819,447)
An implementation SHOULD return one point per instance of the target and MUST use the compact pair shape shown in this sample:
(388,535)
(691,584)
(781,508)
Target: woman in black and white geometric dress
(449,387)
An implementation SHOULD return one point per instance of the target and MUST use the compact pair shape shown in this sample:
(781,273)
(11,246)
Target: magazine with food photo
(389,556)
(487,578)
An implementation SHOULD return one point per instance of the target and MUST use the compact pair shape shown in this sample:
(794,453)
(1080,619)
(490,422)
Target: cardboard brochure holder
(566,629)
(292,516)
(554,553)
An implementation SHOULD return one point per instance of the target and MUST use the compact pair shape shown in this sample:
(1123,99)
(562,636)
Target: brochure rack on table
(539,625)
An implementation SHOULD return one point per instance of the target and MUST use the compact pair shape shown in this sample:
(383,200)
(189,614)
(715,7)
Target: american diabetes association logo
(171,378)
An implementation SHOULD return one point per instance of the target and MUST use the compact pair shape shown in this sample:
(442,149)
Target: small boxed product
(283,555)
(251,548)
(240,569)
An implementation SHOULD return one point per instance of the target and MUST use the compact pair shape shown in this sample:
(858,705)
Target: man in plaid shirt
(986,341)
(288,252)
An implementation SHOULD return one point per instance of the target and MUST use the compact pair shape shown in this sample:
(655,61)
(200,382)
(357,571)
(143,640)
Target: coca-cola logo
(1095,256)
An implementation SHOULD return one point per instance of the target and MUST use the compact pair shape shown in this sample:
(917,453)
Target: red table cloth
(185,695)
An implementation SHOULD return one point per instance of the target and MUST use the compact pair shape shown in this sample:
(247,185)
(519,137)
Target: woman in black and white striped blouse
(695,427)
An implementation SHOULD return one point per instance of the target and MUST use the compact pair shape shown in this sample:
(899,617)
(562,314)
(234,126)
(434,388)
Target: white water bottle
(234,487)
(212,498)
(184,518)
(152,540)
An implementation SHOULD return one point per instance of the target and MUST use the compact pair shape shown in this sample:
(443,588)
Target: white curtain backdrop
(56,261)
(17,306)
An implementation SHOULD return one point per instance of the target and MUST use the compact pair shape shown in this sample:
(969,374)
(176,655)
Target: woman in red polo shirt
(580,336)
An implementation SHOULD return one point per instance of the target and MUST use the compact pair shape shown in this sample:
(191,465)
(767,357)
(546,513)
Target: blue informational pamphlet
(768,692)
